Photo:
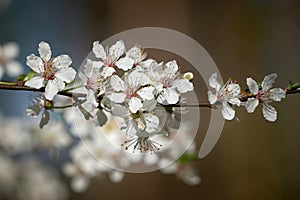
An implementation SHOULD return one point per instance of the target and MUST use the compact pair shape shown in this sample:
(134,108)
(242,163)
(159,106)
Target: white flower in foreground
(109,56)
(142,120)
(134,56)
(265,95)
(168,82)
(132,90)
(8,52)
(228,95)
(93,80)
(52,73)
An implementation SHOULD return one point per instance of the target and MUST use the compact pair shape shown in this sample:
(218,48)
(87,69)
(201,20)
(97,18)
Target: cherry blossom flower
(228,95)
(167,81)
(38,104)
(132,90)
(264,95)
(9,52)
(50,72)
(134,56)
(93,80)
(142,120)
(109,56)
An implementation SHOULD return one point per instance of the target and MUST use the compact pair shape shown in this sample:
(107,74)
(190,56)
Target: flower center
(49,72)
(166,81)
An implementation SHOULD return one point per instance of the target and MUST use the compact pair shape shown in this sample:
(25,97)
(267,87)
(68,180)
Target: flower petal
(98,50)
(269,112)
(116,97)
(90,97)
(211,97)
(268,81)
(234,89)
(107,71)
(227,111)
(117,83)
(44,51)
(125,63)
(131,129)
(234,101)
(14,68)
(146,93)
(45,119)
(172,65)
(35,63)
(251,104)
(62,61)
(35,82)
(213,81)
(184,85)
(51,90)
(252,85)
(34,110)
(135,104)
(10,50)
(66,74)
(277,94)
(168,96)
(120,111)
(117,50)
(152,122)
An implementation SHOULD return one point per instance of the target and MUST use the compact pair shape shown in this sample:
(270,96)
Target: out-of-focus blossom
(8,64)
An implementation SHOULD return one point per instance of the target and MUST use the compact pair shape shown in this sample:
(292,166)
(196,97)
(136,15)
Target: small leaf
(45,119)
(21,77)
(30,74)
(101,117)
(85,113)
(290,86)
(187,157)
(296,86)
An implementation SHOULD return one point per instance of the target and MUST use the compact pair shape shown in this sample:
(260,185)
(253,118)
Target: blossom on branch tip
(227,94)
(264,95)
(52,73)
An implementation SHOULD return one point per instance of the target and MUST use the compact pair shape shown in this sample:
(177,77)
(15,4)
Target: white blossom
(8,64)
(133,90)
(51,73)
(109,56)
(167,81)
(227,94)
(94,80)
(264,95)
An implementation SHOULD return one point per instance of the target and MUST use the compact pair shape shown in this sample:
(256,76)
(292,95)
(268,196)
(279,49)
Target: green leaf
(293,86)
(21,77)
(85,113)
(30,74)
(296,86)
(290,86)
(187,157)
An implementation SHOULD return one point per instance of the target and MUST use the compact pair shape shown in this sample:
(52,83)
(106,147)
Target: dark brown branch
(25,88)
(69,94)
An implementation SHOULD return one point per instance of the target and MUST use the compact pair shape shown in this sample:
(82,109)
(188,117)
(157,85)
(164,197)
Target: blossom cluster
(230,95)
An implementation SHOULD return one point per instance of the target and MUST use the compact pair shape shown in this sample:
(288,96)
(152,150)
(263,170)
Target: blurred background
(253,159)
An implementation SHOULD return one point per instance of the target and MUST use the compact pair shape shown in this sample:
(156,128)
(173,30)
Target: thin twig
(14,86)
